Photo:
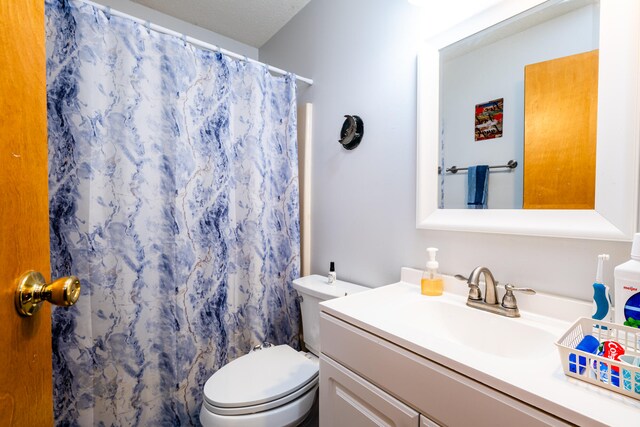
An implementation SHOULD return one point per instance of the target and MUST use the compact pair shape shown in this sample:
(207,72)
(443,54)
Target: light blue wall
(362,57)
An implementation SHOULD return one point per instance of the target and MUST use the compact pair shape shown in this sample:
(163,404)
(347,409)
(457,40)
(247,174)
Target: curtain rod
(109,11)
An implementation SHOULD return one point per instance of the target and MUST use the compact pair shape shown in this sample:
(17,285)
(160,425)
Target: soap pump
(601,294)
(431,282)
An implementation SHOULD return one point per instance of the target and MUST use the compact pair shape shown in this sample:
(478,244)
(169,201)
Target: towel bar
(511,164)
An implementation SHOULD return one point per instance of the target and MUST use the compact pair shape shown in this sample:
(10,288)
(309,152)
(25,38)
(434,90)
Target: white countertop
(538,381)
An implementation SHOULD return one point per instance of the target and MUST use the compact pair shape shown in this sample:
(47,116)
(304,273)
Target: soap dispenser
(431,282)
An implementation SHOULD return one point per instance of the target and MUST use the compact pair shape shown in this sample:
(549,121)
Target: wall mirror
(608,27)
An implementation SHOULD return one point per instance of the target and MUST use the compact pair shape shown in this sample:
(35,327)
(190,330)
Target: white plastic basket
(596,369)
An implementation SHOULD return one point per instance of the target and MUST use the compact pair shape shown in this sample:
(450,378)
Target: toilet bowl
(273,386)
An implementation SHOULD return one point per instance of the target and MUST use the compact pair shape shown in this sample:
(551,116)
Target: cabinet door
(426,422)
(348,400)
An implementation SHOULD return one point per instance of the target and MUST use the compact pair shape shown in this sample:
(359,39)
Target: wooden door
(25,343)
(561,102)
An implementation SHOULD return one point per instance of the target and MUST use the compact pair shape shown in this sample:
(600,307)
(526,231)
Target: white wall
(142,12)
(361,55)
(497,71)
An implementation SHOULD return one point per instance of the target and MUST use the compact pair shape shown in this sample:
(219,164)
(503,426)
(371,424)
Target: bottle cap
(635,248)
(332,266)
(432,264)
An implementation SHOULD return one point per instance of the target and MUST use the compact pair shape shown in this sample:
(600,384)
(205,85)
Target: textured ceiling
(252,22)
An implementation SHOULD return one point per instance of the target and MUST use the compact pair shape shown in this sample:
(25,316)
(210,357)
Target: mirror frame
(615,216)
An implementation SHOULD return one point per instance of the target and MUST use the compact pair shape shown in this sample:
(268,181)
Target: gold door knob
(33,290)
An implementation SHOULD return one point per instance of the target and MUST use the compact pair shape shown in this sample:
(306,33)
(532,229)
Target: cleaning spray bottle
(601,294)
(431,282)
(627,288)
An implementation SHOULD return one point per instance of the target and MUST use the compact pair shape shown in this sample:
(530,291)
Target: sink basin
(485,332)
(446,326)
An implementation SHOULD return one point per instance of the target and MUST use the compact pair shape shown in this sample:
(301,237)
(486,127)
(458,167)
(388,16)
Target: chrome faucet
(508,307)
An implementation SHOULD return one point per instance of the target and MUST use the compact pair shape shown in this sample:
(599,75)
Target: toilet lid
(259,377)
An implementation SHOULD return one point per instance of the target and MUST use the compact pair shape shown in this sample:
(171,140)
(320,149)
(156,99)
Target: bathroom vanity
(400,358)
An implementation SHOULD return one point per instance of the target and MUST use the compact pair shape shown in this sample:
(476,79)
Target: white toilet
(274,386)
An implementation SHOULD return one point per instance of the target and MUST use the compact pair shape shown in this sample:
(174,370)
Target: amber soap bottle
(431,283)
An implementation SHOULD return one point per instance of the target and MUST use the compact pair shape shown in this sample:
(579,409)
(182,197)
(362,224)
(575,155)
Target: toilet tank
(314,289)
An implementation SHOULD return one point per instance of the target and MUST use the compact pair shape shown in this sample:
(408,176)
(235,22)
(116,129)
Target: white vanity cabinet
(366,380)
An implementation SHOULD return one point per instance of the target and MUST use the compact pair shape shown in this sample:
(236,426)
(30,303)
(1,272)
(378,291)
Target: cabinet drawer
(348,400)
(450,399)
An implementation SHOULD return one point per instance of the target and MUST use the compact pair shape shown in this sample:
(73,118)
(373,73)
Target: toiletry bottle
(627,288)
(431,283)
(331,277)
(601,294)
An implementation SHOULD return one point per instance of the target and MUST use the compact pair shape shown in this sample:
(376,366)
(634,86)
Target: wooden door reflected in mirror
(561,102)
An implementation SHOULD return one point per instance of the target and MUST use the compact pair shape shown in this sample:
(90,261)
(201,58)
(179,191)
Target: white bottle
(331,277)
(627,287)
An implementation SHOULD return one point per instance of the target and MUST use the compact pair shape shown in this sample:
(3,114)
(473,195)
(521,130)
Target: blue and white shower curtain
(174,197)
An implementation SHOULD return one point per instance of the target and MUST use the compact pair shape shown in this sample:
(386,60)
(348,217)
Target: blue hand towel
(478,180)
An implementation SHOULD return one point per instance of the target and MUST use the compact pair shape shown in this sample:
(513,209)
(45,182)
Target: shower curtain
(174,197)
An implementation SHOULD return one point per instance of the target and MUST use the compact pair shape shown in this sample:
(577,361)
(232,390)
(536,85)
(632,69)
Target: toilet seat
(260,381)
(311,386)
(288,415)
